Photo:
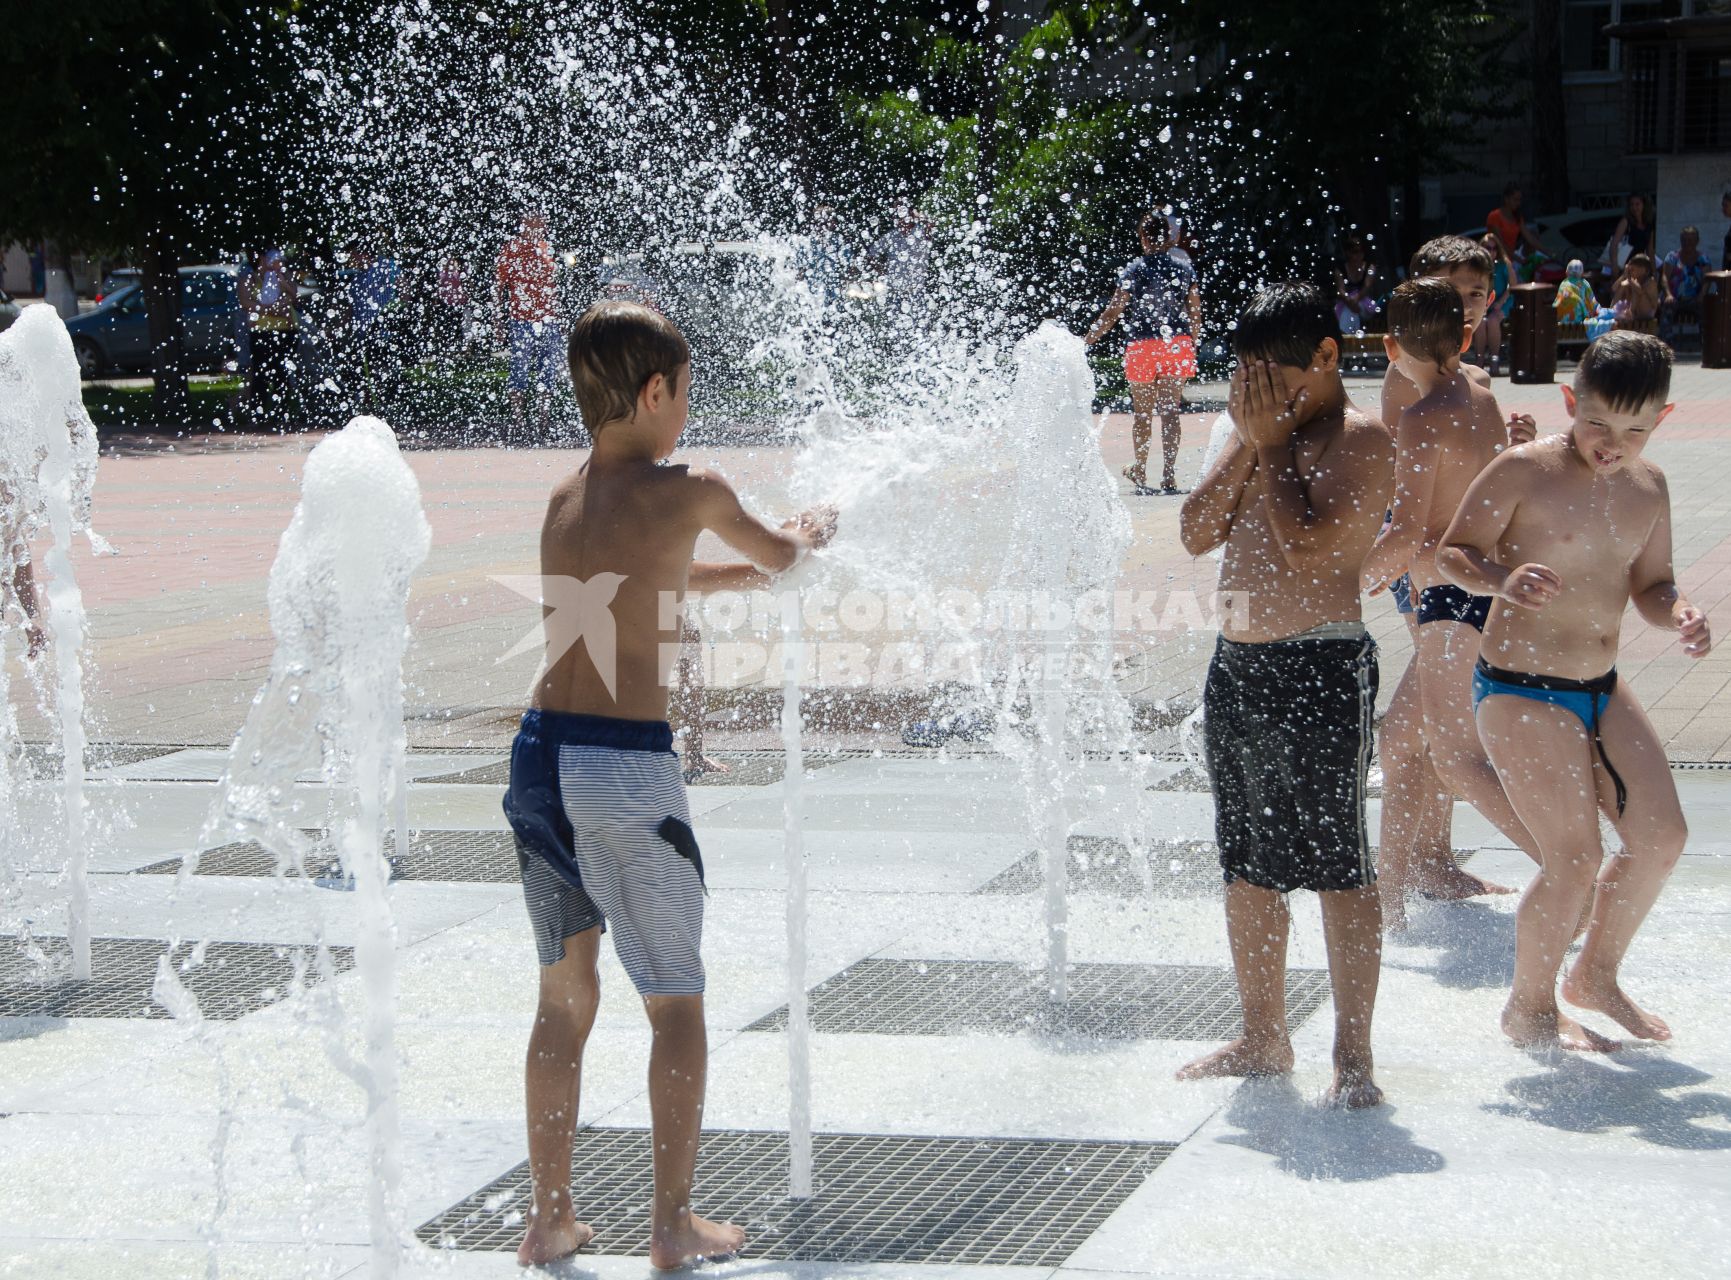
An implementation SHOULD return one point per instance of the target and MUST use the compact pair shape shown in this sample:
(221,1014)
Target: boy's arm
(1467,556)
(1417,455)
(771,550)
(1312,521)
(1206,517)
(1653,588)
(707,575)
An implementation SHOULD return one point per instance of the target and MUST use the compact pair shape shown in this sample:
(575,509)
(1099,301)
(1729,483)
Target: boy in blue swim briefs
(1565,533)
(596,799)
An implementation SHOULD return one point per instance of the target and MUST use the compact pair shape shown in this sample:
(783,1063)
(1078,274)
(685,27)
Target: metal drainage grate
(478,857)
(977,1201)
(1196,780)
(754,768)
(43,758)
(234,979)
(1100,864)
(1107,1001)
(1700,766)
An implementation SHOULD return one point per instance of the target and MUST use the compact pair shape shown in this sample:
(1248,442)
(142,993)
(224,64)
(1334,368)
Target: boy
(1443,440)
(1565,532)
(596,799)
(1418,808)
(1296,499)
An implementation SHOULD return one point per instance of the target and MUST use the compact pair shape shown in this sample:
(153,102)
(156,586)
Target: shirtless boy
(1296,499)
(1443,440)
(1566,532)
(596,799)
(1418,807)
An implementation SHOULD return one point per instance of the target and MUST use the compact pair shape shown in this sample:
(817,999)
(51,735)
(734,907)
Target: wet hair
(1626,370)
(1426,318)
(1642,260)
(1157,224)
(1441,257)
(616,347)
(1285,323)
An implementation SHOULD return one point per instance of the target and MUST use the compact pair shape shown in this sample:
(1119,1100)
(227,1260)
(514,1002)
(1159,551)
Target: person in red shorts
(1161,306)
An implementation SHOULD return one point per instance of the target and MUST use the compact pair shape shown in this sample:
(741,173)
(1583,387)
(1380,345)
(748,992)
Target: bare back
(1448,438)
(1591,531)
(616,553)
(1264,596)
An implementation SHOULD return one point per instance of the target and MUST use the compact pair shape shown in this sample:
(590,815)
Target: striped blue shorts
(604,837)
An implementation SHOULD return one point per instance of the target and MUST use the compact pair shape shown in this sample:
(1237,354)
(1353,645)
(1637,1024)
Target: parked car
(1573,233)
(116,280)
(9,311)
(115,337)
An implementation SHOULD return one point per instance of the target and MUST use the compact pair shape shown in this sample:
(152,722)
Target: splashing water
(47,471)
(793,811)
(334,701)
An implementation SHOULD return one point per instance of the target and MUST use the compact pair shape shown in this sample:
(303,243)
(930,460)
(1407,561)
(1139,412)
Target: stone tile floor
(113,1131)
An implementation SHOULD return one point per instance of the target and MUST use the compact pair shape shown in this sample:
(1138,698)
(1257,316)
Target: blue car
(115,336)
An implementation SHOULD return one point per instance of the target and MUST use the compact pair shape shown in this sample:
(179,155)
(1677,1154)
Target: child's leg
(1401,744)
(1653,832)
(1543,756)
(1168,400)
(1352,926)
(1448,651)
(1141,429)
(570,993)
(678,1067)
(1256,926)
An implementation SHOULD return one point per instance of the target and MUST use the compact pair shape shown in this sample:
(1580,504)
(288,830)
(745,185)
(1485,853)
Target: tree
(146,126)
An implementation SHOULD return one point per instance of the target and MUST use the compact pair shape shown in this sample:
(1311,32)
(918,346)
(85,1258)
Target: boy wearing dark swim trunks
(1296,500)
(1418,807)
(1443,440)
(1564,533)
(596,799)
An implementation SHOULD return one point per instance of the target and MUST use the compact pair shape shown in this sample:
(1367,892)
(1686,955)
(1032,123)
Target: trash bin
(1533,333)
(1716,320)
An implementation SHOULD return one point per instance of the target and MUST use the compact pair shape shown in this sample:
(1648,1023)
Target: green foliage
(133,118)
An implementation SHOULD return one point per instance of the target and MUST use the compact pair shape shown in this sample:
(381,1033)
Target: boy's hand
(1259,404)
(817,525)
(1523,428)
(1692,631)
(1532,586)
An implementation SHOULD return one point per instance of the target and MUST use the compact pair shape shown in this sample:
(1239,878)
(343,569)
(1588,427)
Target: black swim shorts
(1287,729)
(1448,603)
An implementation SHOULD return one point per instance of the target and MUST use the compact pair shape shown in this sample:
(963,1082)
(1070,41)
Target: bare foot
(1393,911)
(1243,1057)
(705,764)
(1136,476)
(1352,1090)
(550,1242)
(1447,881)
(697,1238)
(1549,1029)
(1588,991)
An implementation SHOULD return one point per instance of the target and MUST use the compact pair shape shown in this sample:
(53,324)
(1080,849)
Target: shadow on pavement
(1631,1090)
(1318,1143)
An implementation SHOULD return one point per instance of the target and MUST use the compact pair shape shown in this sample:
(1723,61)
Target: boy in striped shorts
(596,798)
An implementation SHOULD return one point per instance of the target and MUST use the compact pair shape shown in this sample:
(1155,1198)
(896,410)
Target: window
(203,291)
(1588,53)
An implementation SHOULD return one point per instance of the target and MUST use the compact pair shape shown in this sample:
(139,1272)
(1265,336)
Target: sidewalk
(181,638)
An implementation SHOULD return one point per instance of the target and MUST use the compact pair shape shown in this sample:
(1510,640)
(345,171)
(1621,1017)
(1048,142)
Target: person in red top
(1509,224)
(529,315)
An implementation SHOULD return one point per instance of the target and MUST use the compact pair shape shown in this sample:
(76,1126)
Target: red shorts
(1160,359)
